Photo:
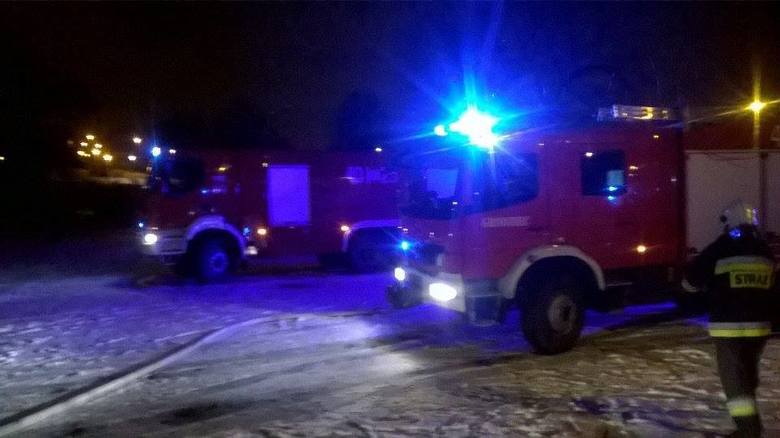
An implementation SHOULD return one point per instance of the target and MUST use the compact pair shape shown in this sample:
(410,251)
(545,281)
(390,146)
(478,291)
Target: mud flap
(484,309)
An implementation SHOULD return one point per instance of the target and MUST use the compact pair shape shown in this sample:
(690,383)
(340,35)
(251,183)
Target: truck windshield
(177,176)
(431,186)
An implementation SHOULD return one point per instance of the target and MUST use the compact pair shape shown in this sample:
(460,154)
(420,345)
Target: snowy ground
(329,358)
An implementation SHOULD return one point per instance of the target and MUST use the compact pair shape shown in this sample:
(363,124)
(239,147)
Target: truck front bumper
(478,300)
(166,244)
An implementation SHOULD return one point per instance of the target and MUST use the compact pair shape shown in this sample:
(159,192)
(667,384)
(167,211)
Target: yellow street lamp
(89,137)
(83,144)
(756,106)
(108,157)
(137,140)
(98,146)
(95,151)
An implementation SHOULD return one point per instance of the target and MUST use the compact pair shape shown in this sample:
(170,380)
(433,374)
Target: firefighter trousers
(738,360)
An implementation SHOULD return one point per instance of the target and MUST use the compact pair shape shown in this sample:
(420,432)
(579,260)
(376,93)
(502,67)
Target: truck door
(608,226)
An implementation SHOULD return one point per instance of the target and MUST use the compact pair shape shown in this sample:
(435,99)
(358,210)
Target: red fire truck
(209,211)
(555,220)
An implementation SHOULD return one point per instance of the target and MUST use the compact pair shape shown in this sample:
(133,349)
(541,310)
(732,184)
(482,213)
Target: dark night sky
(129,64)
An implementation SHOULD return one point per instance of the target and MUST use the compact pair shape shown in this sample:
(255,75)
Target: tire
(366,255)
(553,314)
(212,261)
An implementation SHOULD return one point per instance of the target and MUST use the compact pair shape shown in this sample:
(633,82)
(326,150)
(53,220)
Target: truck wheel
(365,255)
(553,315)
(212,261)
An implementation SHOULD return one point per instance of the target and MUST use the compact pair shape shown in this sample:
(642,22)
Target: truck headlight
(442,291)
(399,274)
(150,239)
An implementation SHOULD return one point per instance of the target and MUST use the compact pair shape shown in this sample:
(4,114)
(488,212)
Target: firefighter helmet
(739,213)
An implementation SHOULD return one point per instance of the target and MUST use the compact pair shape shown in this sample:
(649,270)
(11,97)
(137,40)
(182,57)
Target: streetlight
(756,106)
(108,157)
(172,151)
(83,144)
(89,137)
(137,140)
(132,157)
(95,151)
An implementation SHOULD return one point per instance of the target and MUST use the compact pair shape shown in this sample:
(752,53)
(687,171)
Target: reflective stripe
(740,329)
(740,263)
(746,272)
(742,407)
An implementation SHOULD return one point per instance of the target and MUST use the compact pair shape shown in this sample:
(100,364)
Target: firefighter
(737,273)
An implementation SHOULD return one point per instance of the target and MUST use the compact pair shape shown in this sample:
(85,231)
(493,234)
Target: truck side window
(603,173)
(506,180)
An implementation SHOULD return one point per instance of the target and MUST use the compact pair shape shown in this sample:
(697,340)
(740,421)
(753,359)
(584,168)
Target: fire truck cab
(209,211)
(546,220)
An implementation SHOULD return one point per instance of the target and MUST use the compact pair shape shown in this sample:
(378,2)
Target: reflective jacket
(738,274)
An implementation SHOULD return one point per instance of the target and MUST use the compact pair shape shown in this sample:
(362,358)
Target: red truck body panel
(328,189)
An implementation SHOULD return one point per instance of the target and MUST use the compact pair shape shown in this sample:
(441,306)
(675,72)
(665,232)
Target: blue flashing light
(612,189)
(735,233)
(611,198)
(477,127)
(440,131)
(140,224)
(246,231)
(204,191)
(156,151)
(405,245)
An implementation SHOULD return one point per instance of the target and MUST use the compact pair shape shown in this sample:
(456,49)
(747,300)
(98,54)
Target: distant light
(756,106)
(399,274)
(588,154)
(150,239)
(95,151)
(98,146)
(172,151)
(442,291)
(137,140)
(641,249)
(108,157)
(82,154)
(262,231)
(69,142)
(440,130)
(634,168)
(132,157)
(377,149)
(156,151)
(611,198)
(2,158)
(222,168)
(656,136)
(140,224)
(478,127)
(405,245)
(89,137)
(264,164)
(344,228)
(735,233)
(83,144)
(612,189)
(251,250)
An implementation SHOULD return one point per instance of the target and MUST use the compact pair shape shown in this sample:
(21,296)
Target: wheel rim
(562,314)
(218,262)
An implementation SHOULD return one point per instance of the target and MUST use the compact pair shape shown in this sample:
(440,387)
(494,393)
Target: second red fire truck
(556,220)
(209,211)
